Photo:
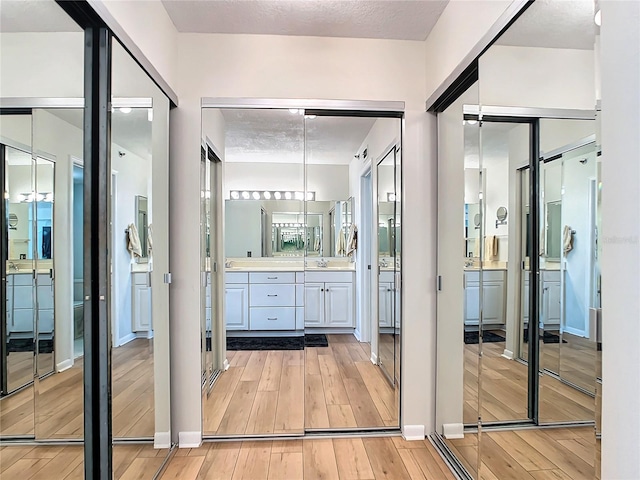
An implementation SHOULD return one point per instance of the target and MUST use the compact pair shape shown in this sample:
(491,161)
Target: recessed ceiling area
(554,24)
(383,19)
(278,136)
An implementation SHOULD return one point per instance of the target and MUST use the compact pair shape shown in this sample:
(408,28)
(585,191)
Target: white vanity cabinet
(20,308)
(141,303)
(45,303)
(272,300)
(385,299)
(551,298)
(493,291)
(236,300)
(328,300)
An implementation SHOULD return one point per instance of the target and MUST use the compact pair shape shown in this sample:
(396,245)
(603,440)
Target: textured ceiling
(34,16)
(388,19)
(554,24)
(279,136)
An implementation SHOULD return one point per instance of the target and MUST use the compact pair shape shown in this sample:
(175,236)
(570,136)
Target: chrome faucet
(322,263)
(383,263)
(13,266)
(227,264)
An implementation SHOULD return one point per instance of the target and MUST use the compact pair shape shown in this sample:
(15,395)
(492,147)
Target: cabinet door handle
(322,289)
(272,318)
(272,295)
(272,278)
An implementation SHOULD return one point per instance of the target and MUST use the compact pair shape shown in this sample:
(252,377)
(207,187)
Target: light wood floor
(59,399)
(285,392)
(67,463)
(348,458)
(553,453)
(504,391)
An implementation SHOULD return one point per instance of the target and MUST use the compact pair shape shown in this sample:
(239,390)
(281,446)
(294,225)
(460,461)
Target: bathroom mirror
(142,224)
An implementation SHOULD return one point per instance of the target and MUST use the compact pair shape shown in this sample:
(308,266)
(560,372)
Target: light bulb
(246,195)
(267,195)
(287,195)
(293,110)
(256,195)
(277,195)
(235,195)
(309,195)
(598,18)
(299,196)
(125,110)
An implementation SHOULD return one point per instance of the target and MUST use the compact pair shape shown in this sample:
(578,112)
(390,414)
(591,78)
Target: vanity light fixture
(391,197)
(150,114)
(125,110)
(310,117)
(598,18)
(271,194)
(293,110)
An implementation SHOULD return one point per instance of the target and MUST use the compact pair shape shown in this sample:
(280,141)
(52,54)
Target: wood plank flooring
(552,453)
(504,391)
(265,392)
(57,409)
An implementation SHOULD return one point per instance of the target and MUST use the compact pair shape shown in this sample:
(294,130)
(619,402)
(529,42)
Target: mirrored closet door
(296,352)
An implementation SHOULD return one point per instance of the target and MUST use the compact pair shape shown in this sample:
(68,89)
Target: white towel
(567,239)
(341,244)
(316,245)
(133,241)
(352,241)
(149,240)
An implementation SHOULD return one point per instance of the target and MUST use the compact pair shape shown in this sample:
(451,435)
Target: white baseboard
(374,358)
(126,339)
(576,332)
(413,432)
(508,354)
(162,440)
(189,439)
(453,430)
(226,365)
(357,334)
(144,335)
(64,365)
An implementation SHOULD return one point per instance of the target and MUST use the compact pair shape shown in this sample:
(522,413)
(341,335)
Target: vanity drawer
(329,277)
(272,318)
(262,295)
(236,277)
(272,277)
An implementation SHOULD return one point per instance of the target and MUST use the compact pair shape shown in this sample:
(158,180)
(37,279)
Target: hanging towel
(352,241)
(567,239)
(476,247)
(149,240)
(341,244)
(491,248)
(133,241)
(316,245)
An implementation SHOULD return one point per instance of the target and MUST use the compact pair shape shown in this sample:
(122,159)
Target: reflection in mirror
(139,254)
(17,329)
(258,322)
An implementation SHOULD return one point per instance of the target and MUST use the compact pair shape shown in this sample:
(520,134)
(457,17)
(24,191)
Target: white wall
(620,41)
(461,26)
(296,67)
(149,26)
(540,77)
(42,64)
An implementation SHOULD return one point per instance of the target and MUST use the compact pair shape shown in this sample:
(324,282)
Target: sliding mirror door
(262,236)
(139,254)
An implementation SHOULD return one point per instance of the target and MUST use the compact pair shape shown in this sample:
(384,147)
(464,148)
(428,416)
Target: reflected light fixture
(125,110)
(245,195)
(277,195)
(287,195)
(150,114)
(235,195)
(256,195)
(391,197)
(598,18)
(271,194)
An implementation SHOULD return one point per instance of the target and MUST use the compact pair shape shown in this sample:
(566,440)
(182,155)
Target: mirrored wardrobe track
(300,271)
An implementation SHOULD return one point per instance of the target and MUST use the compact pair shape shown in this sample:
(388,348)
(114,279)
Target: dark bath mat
(265,343)
(471,338)
(316,340)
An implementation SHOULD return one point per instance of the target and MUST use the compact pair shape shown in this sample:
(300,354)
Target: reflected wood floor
(551,453)
(275,391)
(59,400)
(67,463)
(504,391)
(345,458)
